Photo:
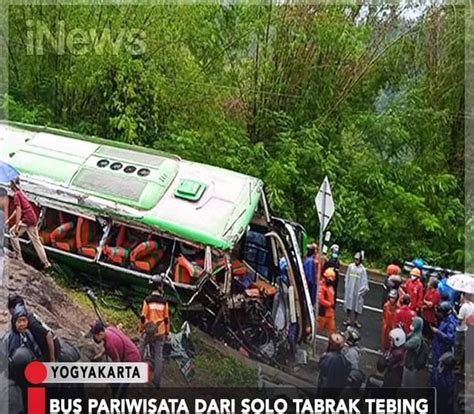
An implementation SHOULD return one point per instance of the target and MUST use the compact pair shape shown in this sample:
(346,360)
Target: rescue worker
(310,271)
(445,334)
(334,368)
(155,327)
(326,299)
(356,286)
(392,271)
(414,288)
(25,220)
(44,336)
(412,347)
(388,315)
(394,359)
(428,307)
(404,316)
(333,262)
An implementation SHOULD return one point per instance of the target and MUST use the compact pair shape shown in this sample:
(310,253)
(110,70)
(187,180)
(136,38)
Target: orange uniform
(155,309)
(327,315)
(388,315)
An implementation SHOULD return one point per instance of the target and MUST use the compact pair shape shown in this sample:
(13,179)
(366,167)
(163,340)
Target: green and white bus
(130,212)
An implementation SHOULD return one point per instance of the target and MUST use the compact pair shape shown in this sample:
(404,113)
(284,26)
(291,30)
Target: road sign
(324,204)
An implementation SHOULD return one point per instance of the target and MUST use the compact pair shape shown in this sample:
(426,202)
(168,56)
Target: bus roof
(197,202)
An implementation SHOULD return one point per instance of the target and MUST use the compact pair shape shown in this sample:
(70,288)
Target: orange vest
(155,309)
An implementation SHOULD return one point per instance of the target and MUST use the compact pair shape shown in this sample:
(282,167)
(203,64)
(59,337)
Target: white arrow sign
(324,204)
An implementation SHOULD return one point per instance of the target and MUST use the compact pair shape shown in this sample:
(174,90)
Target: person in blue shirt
(310,271)
(444,334)
(443,380)
(446,293)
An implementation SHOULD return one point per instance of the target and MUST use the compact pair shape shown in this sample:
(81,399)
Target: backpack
(421,358)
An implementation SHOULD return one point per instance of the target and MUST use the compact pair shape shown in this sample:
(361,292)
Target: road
(371,318)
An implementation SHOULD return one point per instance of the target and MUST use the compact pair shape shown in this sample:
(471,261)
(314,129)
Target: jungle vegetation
(370,95)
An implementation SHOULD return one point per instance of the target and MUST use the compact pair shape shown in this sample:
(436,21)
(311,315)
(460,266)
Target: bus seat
(63,237)
(119,252)
(52,219)
(87,237)
(185,271)
(146,255)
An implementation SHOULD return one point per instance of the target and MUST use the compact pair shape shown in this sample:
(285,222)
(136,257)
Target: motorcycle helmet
(398,337)
(352,336)
(445,308)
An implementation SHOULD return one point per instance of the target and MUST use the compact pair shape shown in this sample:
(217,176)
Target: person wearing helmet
(444,382)
(392,271)
(394,359)
(333,262)
(388,315)
(21,346)
(446,292)
(444,334)
(414,288)
(155,326)
(356,286)
(404,316)
(326,301)
(334,368)
(352,351)
(428,307)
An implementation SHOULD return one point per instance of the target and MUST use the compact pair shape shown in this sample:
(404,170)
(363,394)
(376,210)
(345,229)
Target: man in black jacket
(48,343)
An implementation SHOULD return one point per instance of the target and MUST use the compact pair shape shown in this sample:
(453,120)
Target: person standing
(388,315)
(356,286)
(334,368)
(444,335)
(428,307)
(326,298)
(310,271)
(466,313)
(414,288)
(155,327)
(394,359)
(333,262)
(393,271)
(412,347)
(444,382)
(404,316)
(25,220)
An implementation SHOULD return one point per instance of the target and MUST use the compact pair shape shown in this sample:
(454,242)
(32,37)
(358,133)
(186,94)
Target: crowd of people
(424,325)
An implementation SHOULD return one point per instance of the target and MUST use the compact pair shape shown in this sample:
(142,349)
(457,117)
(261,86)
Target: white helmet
(398,337)
(334,248)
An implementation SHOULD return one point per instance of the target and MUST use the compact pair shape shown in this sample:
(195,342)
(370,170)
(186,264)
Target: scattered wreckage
(126,212)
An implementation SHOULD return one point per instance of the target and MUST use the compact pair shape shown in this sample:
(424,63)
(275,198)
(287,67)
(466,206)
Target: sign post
(325,208)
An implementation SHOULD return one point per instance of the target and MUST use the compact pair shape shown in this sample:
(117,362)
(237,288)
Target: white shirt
(467,309)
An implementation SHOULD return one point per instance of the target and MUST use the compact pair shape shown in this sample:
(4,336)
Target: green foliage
(362,94)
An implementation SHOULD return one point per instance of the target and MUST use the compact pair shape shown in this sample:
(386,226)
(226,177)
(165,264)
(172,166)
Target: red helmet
(393,270)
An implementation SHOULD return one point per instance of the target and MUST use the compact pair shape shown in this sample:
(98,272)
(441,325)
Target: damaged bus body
(130,212)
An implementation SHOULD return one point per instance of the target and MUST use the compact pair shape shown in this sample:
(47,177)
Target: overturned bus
(128,212)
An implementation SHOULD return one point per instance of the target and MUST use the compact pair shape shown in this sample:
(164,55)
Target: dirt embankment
(70,318)
(47,300)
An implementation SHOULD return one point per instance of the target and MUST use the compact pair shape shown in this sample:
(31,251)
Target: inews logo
(39,373)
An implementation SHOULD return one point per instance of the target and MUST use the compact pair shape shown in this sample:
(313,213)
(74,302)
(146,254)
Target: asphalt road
(371,318)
